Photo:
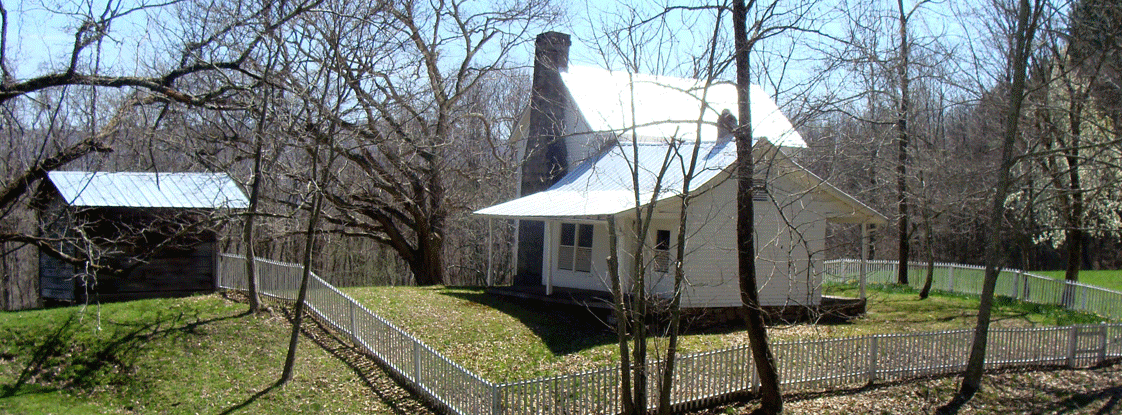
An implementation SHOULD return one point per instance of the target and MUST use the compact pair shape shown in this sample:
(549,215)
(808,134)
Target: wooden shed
(146,234)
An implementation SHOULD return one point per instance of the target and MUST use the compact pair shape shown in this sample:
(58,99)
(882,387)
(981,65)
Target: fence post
(1102,341)
(1013,286)
(873,358)
(496,400)
(354,330)
(417,362)
(950,278)
(1072,344)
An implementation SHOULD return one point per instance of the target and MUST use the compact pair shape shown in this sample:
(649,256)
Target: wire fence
(701,379)
(967,279)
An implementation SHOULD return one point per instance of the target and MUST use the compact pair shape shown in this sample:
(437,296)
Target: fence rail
(708,378)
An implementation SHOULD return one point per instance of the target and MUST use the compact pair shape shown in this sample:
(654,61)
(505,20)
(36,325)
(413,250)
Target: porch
(831,307)
(560,295)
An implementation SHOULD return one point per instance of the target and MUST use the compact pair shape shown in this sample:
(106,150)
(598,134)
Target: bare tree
(902,114)
(318,175)
(1028,15)
(213,62)
(1074,151)
(770,397)
(403,138)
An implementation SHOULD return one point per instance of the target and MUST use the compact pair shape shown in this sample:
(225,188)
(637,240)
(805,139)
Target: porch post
(864,256)
(490,256)
(550,228)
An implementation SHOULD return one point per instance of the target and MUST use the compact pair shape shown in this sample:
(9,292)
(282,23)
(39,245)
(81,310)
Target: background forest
(397,115)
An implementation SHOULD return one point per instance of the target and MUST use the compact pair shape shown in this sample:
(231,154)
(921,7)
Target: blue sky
(43,36)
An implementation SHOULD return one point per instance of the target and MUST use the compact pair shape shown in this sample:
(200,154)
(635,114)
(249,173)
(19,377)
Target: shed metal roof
(149,190)
(668,107)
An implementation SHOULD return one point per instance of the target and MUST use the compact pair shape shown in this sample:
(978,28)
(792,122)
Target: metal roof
(668,107)
(149,190)
(603,185)
(665,118)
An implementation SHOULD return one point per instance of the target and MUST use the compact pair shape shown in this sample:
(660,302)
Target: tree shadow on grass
(564,329)
(62,360)
(252,399)
(1110,397)
(389,389)
(1080,401)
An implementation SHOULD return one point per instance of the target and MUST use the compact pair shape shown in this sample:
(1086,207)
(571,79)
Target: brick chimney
(546,157)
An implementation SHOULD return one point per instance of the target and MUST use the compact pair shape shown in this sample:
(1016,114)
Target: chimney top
(554,38)
(553,50)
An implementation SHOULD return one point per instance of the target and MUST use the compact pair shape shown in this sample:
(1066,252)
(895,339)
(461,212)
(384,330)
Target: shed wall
(181,268)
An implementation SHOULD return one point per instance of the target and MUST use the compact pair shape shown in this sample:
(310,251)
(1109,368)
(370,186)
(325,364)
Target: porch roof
(605,185)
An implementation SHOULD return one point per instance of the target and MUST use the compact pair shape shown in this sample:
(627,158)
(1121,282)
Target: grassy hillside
(1109,279)
(191,355)
(204,355)
(518,340)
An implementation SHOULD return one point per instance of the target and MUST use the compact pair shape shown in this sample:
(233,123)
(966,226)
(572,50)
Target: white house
(590,135)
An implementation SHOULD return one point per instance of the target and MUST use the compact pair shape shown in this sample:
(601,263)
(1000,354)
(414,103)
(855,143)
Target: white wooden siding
(580,141)
(787,268)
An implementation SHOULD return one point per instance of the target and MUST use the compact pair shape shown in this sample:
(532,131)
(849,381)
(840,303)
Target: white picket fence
(967,279)
(701,379)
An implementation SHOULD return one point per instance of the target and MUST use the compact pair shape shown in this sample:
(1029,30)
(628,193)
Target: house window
(662,251)
(574,253)
(759,194)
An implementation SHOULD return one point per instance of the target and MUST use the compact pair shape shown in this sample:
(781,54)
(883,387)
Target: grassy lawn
(204,355)
(191,355)
(1109,279)
(505,341)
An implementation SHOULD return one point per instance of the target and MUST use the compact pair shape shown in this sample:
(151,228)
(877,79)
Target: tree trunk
(929,240)
(1074,253)
(1024,32)
(298,309)
(666,385)
(619,309)
(428,263)
(902,150)
(1074,236)
(6,281)
(248,234)
(639,320)
(771,400)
